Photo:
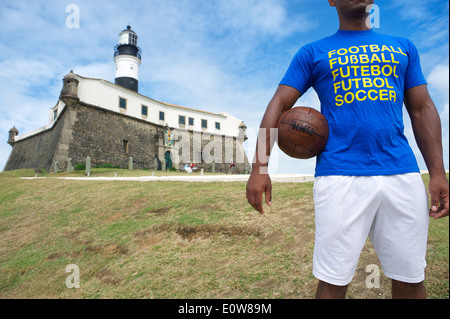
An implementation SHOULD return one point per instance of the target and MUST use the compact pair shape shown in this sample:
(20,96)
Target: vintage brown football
(302,132)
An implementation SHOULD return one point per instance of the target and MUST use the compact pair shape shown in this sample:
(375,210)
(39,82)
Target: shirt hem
(367,172)
(414,85)
(333,281)
(293,86)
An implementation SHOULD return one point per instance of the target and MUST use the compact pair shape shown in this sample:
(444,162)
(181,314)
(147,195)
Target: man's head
(351,9)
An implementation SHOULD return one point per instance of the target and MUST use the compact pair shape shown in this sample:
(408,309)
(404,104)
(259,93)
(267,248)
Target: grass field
(171,240)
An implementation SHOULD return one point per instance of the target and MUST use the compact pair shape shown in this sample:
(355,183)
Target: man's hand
(426,125)
(257,185)
(439,196)
(259,181)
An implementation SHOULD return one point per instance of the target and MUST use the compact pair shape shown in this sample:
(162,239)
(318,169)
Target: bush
(106,165)
(80,167)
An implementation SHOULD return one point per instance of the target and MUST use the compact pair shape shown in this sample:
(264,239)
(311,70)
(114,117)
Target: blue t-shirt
(360,78)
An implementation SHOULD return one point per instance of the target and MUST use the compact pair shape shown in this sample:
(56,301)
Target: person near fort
(232,166)
(187,168)
(367,180)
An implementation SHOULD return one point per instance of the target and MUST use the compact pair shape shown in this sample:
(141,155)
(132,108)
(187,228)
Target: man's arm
(259,181)
(426,125)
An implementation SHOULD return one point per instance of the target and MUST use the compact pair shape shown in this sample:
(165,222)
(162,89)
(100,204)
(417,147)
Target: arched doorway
(168,159)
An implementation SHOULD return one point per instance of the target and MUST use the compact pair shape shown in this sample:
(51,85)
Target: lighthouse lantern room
(127,57)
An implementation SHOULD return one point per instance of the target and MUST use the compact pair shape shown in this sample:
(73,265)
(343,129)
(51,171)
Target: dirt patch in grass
(159,211)
(116,249)
(149,212)
(208,207)
(145,244)
(72,233)
(205,231)
(107,277)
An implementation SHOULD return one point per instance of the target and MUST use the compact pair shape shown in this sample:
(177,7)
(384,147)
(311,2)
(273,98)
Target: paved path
(280,178)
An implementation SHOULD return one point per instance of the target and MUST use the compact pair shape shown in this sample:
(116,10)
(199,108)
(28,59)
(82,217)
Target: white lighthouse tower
(127,57)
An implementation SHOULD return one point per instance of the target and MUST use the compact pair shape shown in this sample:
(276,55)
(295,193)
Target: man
(367,178)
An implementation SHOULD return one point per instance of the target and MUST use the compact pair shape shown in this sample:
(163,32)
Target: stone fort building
(111,122)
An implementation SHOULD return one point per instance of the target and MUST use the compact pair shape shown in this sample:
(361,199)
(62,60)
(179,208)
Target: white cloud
(95,70)
(428,20)
(444,114)
(438,80)
(438,86)
(414,11)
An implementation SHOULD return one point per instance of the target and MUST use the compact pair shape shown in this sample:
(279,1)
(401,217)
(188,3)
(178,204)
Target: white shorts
(391,210)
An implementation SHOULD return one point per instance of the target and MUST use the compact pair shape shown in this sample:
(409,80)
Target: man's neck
(355,25)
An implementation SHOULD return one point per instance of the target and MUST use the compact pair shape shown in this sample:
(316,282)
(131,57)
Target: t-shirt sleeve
(414,75)
(299,73)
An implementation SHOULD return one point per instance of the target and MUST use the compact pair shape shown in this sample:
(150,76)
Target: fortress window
(217,126)
(125,146)
(182,120)
(161,116)
(144,110)
(191,121)
(122,103)
(204,123)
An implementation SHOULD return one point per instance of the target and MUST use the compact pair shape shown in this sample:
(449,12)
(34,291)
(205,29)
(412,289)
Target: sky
(212,55)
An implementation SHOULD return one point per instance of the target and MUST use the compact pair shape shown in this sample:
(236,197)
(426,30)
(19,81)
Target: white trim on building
(106,95)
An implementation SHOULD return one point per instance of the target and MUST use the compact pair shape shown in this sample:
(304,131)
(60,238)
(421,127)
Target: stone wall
(212,152)
(85,130)
(36,151)
(112,138)
(100,134)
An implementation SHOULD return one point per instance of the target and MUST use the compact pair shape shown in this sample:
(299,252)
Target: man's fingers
(268,195)
(258,202)
(257,187)
(440,211)
(441,214)
(438,188)
(251,199)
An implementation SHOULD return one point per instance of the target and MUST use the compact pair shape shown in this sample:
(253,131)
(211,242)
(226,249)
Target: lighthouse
(127,57)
